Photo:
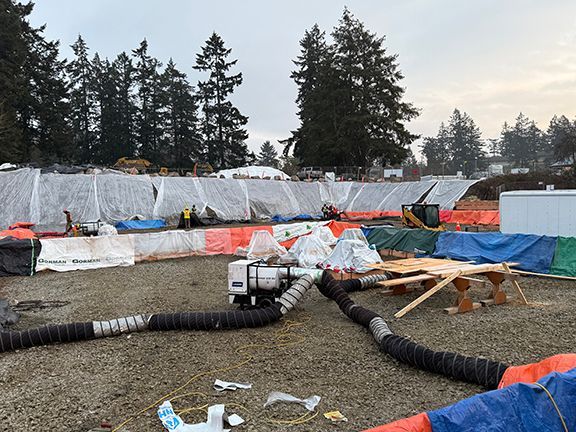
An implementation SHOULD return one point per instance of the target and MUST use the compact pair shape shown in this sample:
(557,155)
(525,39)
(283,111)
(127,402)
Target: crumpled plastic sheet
(447,192)
(120,197)
(221,386)
(309,403)
(228,198)
(325,234)
(253,171)
(310,250)
(353,234)
(262,246)
(351,256)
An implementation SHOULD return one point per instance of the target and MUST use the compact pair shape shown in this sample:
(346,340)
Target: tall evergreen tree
(122,73)
(436,150)
(13,53)
(523,142)
(222,124)
(82,101)
(315,77)
(181,128)
(457,147)
(150,117)
(268,155)
(350,100)
(465,144)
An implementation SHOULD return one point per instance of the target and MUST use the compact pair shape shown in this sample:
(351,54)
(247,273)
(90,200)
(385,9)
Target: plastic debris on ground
(353,234)
(309,403)
(7,315)
(262,246)
(107,230)
(335,416)
(351,256)
(309,251)
(215,422)
(220,385)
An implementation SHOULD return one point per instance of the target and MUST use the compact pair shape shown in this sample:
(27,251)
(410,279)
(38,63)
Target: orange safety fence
(369,215)
(532,372)
(417,423)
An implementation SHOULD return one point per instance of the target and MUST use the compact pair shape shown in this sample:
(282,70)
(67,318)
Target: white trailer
(550,212)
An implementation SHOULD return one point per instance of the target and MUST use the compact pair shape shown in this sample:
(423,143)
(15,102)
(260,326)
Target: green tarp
(407,240)
(564,263)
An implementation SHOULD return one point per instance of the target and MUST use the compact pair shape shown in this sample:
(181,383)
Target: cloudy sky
(490,58)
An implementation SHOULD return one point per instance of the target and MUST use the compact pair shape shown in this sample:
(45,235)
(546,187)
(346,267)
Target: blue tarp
(140,224)
(517,408)
(279,218)
(532,253)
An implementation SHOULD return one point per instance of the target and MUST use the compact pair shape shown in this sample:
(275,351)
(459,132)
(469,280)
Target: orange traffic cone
(458,228)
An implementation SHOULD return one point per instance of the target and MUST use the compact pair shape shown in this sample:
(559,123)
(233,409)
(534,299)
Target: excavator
(423,216)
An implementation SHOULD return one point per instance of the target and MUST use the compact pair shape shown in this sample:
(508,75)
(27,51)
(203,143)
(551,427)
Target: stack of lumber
(476,205)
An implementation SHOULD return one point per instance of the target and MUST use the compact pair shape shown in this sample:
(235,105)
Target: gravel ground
(73,387)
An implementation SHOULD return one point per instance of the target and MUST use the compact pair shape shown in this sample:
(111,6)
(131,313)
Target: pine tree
(523,142)
(466,152)
(149,118)
(562,139)
(13,54)
(350,101)
(372,112)
(268,155)
(181,128)
(222,124)
(436,150)
(80,75)
(315,77)
(123,75)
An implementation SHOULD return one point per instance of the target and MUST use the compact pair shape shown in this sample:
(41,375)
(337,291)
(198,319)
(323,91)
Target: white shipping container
(539,212)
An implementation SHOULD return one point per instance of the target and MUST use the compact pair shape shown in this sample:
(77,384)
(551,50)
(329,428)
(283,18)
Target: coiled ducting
(487,373)
(13,340)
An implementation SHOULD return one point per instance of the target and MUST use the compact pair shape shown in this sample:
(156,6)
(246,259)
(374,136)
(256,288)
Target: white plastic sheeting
(325,234)
(353,234)
(84,253)
(16,193)
(351,256)
(309,251)
(309,197)
(447,192)
(57,192)
(122,196)
(174,194)
(228,198)
(254,171)
(168,244)
(404,193)
(270,198)
(262,246)
(284,232)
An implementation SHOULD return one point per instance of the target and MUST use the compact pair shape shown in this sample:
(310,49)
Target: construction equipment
(424,216)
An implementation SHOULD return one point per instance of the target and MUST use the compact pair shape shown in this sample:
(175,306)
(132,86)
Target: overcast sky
(490,58)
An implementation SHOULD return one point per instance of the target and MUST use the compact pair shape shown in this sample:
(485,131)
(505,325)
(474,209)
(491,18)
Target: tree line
(458,145)
(96,110)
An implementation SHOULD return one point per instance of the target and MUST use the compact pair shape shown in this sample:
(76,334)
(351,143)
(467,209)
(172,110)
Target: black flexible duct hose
(13,340)
(487,373)
(236,319)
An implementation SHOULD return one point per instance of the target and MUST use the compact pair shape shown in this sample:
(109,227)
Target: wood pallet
(476,205)
(435,274)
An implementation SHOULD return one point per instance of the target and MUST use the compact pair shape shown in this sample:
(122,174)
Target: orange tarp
(532,372)
(19,233)
(417,423)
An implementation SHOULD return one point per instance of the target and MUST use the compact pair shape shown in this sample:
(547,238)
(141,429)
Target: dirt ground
(75,386)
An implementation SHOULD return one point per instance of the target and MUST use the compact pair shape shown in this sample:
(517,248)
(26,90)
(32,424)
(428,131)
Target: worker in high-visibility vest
(186,214)
(69,223)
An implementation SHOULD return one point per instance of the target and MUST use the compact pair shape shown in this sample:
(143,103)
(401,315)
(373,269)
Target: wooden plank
(428,294)
(406,280)
(516,286)
(543,275)
(469,269)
